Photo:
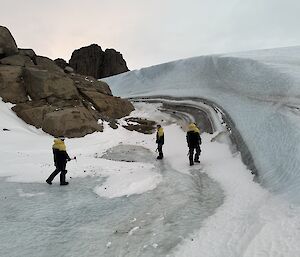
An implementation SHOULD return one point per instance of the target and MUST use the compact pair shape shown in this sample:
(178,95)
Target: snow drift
(258,89)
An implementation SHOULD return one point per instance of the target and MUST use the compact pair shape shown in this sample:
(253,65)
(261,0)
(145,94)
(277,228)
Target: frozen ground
(41,220)
(260,91)
(163,209)
(121,201)
(173,213)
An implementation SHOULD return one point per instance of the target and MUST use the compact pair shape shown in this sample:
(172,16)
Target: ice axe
(74,158)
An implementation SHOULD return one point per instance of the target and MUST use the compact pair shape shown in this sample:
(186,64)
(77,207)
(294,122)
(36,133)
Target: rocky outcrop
(12,87)
(92,61)
(41,84)
(113,63)
(17,60)
(8,45)
(56,100)
(61,63)
(140,125)
(75,121)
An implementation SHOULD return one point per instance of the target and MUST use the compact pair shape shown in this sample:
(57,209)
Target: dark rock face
(56,100)
(8,45)
(29,53)
(61,63)
(92,61)
(140,125)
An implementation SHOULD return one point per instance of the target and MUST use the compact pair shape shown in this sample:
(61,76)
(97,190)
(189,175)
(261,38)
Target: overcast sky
(149,32)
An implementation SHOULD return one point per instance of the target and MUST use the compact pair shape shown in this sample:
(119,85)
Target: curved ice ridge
(259,90)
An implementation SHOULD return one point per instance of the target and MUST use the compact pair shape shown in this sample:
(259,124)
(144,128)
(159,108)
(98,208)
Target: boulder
(45,63)
(92,61)
(140,125)
(113,64)
(109,106)
(41,84)
(8,45)
(17,60)
(12,88)
(33,112)
(90,84)
(68,69)
(61,63)
(87,60)
(72,122)
(28,52)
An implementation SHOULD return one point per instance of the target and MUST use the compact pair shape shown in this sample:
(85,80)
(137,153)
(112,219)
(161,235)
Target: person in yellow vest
(194,141)
(60,160)
(160,140)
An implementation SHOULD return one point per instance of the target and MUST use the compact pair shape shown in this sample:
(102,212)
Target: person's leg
(63,175)
(160,153)
(63,178)
(191,153)
(198,151)
(52,176)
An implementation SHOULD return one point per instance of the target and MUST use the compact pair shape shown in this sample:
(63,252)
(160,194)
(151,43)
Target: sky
(151,32)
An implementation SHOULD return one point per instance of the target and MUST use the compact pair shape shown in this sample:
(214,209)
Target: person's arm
(54,156)
(199,138)
(67,156)
(188,139)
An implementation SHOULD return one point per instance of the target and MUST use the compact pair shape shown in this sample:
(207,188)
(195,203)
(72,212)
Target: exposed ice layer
(74,221)
(260,91)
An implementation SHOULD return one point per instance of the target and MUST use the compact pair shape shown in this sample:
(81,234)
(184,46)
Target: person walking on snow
(160,141)
(60,160)
(194,141)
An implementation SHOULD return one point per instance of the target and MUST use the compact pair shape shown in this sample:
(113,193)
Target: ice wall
(260,90)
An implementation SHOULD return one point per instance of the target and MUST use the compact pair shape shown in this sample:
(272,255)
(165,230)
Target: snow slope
(259,89)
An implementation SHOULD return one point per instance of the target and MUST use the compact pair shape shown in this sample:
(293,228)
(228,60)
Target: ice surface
(41,220)
(260,91)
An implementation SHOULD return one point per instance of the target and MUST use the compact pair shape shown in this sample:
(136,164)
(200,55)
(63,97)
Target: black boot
(197,160)
(52,176)
(63,178)
(191,163)
(49,182)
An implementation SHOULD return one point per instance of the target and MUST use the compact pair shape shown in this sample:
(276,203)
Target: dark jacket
(60,154)
(193,136)
(160,137)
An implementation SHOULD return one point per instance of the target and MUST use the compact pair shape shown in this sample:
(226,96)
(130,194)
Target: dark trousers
(62,171)
(191,153)
(160,152)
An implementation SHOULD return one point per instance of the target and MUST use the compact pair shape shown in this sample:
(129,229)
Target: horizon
(151,33)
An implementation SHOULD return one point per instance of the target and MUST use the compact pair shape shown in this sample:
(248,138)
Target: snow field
(251,222)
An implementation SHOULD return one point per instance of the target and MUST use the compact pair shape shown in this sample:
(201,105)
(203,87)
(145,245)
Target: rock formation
(61,63)
(8,45)
(92,61)
(48,97)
